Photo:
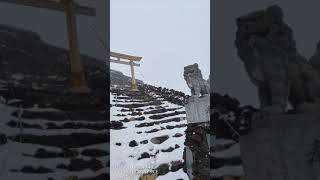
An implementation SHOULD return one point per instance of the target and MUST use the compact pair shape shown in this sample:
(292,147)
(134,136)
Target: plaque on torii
(127,60)
(71,8)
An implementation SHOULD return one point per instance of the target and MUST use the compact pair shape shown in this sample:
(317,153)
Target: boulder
(133,143)
(160,139)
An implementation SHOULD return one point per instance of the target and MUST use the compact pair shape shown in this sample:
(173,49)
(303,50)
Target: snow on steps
(17,159)
(124,159)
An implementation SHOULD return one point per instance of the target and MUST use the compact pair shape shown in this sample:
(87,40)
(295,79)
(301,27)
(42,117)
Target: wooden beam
(53,5)
(124,56)
(122,62)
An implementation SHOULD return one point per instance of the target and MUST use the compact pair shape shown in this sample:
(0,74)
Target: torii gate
(70,8)
(128,60)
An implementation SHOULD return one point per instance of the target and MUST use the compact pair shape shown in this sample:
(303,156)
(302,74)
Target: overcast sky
(229,75)
(51,25)
(168,34)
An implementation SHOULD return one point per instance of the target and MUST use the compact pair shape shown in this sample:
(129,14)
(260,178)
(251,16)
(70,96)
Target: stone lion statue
(193,76)
(266,46)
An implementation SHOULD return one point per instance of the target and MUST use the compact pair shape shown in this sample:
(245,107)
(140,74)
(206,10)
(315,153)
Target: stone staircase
(53,135)
(147,136)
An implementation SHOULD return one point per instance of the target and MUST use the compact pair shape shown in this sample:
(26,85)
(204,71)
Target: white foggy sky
(168,34)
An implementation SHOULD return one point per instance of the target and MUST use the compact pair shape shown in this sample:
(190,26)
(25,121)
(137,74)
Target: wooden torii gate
(70,7)
(128,60)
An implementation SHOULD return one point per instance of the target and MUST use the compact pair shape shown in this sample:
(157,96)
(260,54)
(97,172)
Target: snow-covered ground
(124,163)
(15,155)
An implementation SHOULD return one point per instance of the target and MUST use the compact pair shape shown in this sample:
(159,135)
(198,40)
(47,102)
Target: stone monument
(197,162)
(278,145)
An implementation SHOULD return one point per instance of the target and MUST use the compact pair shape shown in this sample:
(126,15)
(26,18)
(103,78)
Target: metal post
(77,75)
(133,79)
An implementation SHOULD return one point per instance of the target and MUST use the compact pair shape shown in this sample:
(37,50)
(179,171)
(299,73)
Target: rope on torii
(127,60)
(70,7)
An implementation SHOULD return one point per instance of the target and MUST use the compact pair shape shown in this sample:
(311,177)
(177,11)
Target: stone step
(74,140)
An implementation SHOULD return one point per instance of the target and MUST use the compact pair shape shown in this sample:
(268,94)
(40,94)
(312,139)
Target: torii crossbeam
(128,60)
(70,7)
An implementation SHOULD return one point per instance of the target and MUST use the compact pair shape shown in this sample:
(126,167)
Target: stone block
(198,109)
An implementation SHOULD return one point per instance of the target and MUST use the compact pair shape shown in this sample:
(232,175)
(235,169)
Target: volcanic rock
(133,143)
(160,139)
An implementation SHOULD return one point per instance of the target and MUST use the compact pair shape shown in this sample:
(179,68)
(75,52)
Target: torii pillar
(78,80)
(134,86)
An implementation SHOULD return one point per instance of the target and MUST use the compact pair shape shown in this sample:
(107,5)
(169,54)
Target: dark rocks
(144,142)
(196,140)
(156,111)
(163,169)
(140,118)
(94,153)
(116,125)
(176,165)
(49,115)
(138,105)
(160,139)
(177,135)
(102,176)
(3,139)
(39,170)
(74,140)
(161,116)
(45,154)
(72,125)
(80,165)
(242,117)
(176,126)
(87,115)
(118,144)
(170,149)
(144,155)
(175,97)
(223,103)
(152,131)
(133,143)
(158,122)
(15,124)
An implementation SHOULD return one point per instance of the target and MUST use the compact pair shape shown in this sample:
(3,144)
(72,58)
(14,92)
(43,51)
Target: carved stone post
(197,160)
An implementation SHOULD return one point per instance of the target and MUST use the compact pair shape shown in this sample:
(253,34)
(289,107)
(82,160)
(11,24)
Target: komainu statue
(195,81)
(266,46)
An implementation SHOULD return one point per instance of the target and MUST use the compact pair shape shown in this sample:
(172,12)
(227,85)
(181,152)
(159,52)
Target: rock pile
(171,95)
(228,120)
(196,140)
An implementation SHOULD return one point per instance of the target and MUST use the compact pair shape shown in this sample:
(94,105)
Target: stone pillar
(197,159)
(133,78)
(278,146)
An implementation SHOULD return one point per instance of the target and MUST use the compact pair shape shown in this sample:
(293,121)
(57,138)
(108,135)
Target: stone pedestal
(198,109)
(197,143)
(278,147)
